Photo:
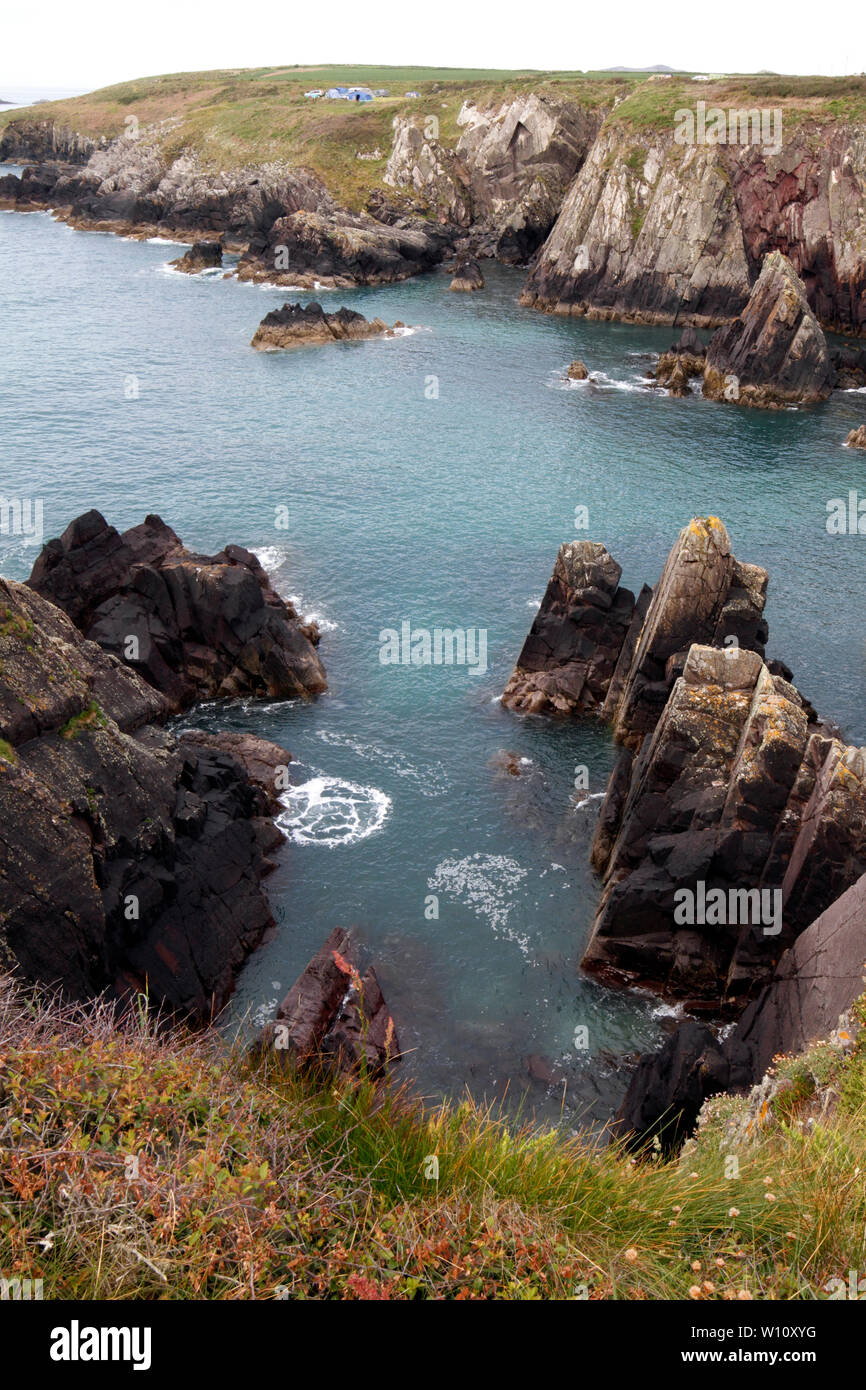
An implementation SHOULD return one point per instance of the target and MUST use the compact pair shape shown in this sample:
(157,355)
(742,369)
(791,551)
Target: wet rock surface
(196,627)
(202,255)
(333,1019)
(467,277)
(304,325)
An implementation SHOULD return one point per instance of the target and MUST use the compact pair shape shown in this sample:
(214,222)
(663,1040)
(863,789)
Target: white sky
(92,43)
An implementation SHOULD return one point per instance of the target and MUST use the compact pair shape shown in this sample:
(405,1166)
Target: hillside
(140,1166)
(237,118)
(232,119)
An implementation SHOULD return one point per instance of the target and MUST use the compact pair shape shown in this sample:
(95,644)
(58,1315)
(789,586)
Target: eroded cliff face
(656,231)
(508,174)
(130,860)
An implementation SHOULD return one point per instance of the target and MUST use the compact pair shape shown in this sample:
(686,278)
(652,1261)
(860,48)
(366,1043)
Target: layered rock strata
(775,353)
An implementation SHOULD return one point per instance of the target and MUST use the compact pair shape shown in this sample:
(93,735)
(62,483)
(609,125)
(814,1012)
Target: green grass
(138,1164)
(240,117)
(89,719)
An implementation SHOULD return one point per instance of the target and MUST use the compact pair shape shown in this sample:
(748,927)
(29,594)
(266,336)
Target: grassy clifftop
(133,1165)
(250,116)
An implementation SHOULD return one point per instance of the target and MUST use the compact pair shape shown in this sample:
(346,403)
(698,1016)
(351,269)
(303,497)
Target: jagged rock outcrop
(570,656)
(429,172)
(657,231)
(668,1087)
(506,177)
(815,983)
(676,368)
(196,627)
(648,231)
(44,142)
(857,438)
(735,824)
(704,595)
(333,1018)
(594,648)
(202,255)
(130,860)
(131,185)
(338,249)
(775,352)
(304,325)
(467,277)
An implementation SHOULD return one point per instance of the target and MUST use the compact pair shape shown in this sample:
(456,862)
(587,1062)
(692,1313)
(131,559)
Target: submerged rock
(333,1018)
(300,325)
(130,861)
(202,255)
(775,353)
(196,627)
(467,277)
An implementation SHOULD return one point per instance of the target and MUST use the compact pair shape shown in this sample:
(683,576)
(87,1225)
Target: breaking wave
(331,811)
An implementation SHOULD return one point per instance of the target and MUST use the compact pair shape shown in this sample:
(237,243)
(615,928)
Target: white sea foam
(331,811)
(273,558)
(487,884)
(593,796)
(161,241)
(665,1010)
(430,779)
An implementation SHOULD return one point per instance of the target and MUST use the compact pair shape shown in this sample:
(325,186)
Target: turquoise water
(441,502)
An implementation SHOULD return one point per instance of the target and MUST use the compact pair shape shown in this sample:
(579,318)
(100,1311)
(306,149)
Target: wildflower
(734,1211)
(677,1210)
(696,1266)
(709,1286)
(693,1175)
(744,1296)
(768,1182)
(770,1196)
(719,1262)
(695,1291)
(631,1254)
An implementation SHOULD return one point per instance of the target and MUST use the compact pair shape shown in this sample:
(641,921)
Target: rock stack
(196,627)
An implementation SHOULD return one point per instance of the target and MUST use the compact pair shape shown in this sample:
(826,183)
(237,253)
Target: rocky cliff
(728,791)
(774,353)
(130,860)
(196,627)
(657,231)
(508,173)
(808,999)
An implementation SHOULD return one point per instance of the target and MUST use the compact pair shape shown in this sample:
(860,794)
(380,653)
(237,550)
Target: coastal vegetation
(140,1163)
